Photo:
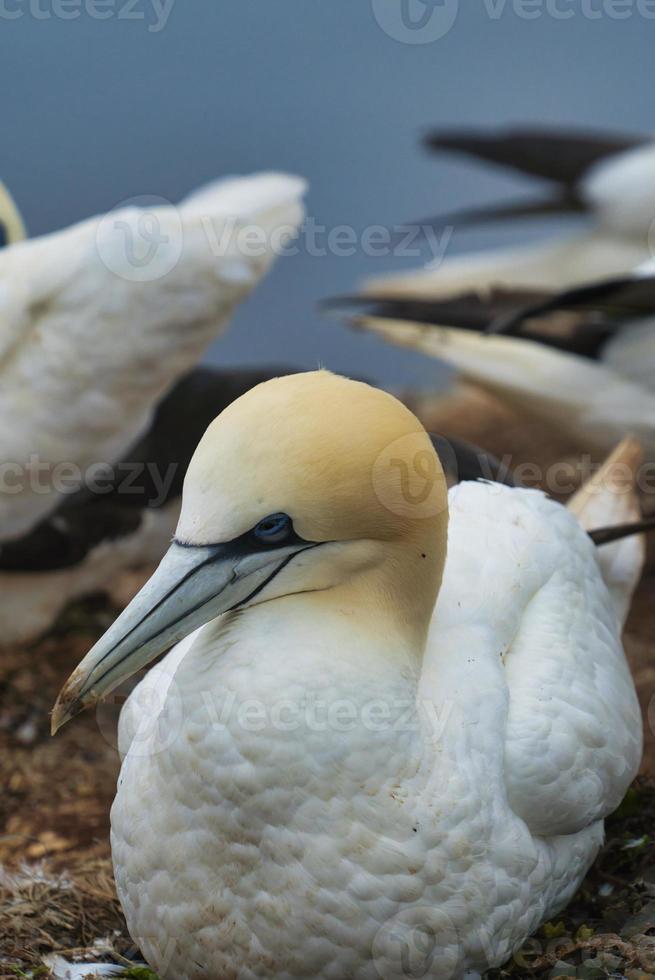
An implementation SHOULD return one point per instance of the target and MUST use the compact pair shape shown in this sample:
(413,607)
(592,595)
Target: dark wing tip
(560,154)
(605,535)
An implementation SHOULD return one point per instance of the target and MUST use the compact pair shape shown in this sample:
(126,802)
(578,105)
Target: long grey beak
(191,586)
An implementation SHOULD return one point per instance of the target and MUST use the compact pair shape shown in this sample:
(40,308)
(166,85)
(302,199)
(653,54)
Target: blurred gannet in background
(608,178)
(99,320)
(582,359)
(606,175)
(591,375)
(310,567)
(83,546)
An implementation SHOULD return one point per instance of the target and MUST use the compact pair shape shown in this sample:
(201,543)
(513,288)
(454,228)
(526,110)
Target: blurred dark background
(96,111)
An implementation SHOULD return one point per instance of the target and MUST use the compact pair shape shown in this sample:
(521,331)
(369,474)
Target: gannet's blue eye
(274,529)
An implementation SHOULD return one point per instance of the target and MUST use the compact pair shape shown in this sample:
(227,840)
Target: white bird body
(318,785)
(338,777)
(97,321)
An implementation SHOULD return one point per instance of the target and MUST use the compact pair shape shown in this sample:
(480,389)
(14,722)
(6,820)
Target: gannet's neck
(384,605)
(390,602)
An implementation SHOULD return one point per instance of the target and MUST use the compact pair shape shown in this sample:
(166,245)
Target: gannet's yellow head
(306,484)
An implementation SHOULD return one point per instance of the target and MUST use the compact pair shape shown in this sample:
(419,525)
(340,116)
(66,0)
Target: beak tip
(63,712)
(60,714)
(68,704)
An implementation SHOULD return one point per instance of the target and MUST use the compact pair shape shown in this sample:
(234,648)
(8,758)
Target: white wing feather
(555,264)
(584,397)
(90,337)
(522,573)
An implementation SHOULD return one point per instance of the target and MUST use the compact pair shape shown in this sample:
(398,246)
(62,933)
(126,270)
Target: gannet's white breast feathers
(139,715)
(98,320)
(522,587)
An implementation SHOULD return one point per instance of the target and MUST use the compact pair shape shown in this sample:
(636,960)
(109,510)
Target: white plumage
(620,192)
(323,784)
(87,544)
(98,320)
(319,843)
(599,402)
(589,399)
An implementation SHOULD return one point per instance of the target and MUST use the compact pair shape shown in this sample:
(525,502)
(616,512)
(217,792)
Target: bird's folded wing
(522,573)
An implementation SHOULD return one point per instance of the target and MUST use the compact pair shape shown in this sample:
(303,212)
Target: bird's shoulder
(523,593)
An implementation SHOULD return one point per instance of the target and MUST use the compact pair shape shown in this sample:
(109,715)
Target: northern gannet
(582,359)
(607,177)
(99,320)
(599,397)
(393,710)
